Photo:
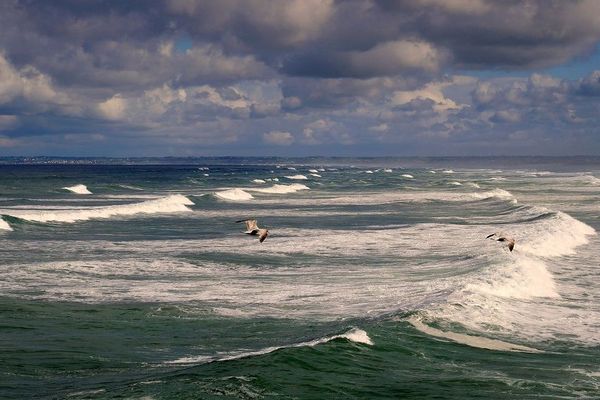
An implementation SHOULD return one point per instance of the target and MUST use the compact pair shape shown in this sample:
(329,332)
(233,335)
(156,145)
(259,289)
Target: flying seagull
(502,238)
(253,229)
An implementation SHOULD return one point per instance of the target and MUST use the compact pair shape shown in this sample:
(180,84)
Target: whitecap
(454,183)
(314,171)
(281,189)
(169,204)
(387,170)
(315,175)
(409,176)
(234,194)
(4,226)
(78,189)
(297,177)
(368,172)
(448,171)
(258,181)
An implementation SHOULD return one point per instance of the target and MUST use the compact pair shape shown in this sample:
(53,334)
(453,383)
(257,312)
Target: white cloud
(433,92)
(395,56)
(113,108)
(278,138)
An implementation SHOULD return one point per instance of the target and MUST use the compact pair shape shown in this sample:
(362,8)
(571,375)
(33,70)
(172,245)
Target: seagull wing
(263,233)
(251,227)
(511,244)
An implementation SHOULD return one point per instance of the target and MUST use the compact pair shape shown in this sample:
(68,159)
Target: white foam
(557,236)
(409,176)
(315,175)
(169,204)
(291,168)
(321,169)
(258,181)
(78,189)
(368,172)
(521,278)
(497,193)
(281,189)
(454,183)
(473,184)
(355,335)
(448,171)
(387,170)
(4,226)
(591,179)
(234,195)
(432,172)
(314,171)
(297,177)
(470,340)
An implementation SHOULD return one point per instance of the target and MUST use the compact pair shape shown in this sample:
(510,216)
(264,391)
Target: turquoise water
(376,280)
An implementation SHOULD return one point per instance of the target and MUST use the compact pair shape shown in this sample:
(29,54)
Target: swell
(355,335)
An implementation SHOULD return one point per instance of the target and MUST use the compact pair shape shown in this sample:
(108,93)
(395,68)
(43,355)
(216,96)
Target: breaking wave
(234,195)
(4,226)
(169,204)
(282,189)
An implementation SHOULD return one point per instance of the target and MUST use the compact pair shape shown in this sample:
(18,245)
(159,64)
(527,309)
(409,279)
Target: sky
(299,77)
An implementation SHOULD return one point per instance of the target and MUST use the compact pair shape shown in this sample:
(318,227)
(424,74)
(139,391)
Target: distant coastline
(508,162)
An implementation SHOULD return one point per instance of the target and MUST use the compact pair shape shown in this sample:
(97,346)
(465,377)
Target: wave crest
(78,189)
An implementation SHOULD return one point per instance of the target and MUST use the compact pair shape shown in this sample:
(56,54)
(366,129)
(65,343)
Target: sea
(130,278)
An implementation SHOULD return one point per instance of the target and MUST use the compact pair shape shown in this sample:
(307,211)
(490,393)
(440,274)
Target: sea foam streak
(234,195)
(470,340)
(78,189)
(355,335)
(169,204)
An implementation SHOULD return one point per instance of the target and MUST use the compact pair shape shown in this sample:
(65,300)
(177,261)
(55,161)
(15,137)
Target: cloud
(185,75)
(278,138)
(113,108)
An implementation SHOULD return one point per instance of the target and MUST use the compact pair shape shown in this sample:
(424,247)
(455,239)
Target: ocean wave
(355,335)
(78,189)
(409,176)
(234,195)
(169,204)
(281,189)
(258,181)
